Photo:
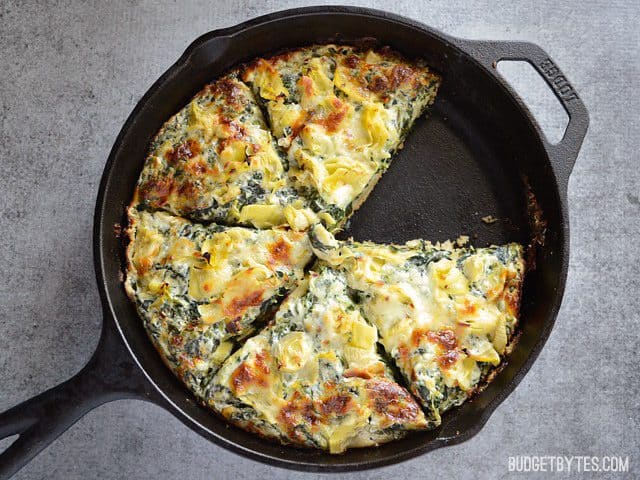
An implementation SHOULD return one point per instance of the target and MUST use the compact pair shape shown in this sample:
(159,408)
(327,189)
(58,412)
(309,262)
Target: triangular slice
(314,377)
(200,288)
(445,315)
(335,114)
(340,112)
(215,160)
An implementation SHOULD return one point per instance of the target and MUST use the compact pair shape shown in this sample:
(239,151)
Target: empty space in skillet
(440,185)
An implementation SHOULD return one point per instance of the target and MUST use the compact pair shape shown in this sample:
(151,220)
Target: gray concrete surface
(70,73)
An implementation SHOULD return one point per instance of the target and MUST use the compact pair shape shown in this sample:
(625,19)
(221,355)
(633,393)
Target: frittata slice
(215,160)
(445,315)
(200,288)
(314,378)
(340,113)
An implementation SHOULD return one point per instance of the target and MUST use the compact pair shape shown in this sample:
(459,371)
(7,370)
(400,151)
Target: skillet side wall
(469,156)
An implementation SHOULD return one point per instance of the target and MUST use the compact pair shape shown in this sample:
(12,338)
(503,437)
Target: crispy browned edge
(513,339)
(130,236)
(358,45)
(538,226)
(135,199)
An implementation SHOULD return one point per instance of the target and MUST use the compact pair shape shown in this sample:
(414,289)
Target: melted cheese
(441,313)
(199,288)
(216,160)
(340,129)
(268,82)
(293,351)
(314,376)
(336,115)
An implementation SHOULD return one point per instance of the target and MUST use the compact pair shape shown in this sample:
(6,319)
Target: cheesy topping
(445,315)
(198,289)
(335,116)
(314,377)
(340,113)
(215,160)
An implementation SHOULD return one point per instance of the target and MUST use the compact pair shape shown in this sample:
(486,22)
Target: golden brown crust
(361,404)
(314,377)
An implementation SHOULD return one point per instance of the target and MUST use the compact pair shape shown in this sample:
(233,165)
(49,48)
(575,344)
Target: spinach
(289,81)
(503,254)
(207,212)
(424,259)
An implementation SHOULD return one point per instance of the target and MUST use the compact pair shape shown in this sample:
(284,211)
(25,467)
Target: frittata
(273,158)
(215,160)
(335,115)
(340,113)
(445,315)
(314,377)
(198,289)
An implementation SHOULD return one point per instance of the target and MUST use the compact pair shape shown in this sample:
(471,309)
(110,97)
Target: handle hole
(7,442)
(537,96)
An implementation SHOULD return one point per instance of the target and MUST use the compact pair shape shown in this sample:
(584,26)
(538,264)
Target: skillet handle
(110,375)
(563,154)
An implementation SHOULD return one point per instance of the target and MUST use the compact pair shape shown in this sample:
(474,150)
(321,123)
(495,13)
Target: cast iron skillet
(468,159)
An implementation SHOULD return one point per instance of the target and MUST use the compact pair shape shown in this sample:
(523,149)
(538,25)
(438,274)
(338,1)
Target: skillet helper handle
(563,155)
(110,375)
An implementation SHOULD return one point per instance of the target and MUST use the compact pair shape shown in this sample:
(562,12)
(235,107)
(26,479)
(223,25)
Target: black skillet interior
(466,160)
